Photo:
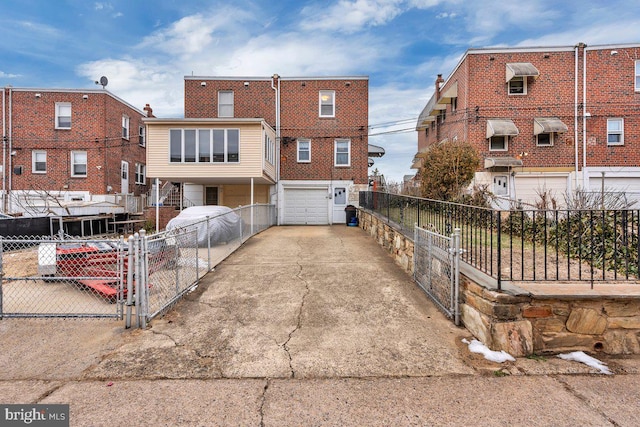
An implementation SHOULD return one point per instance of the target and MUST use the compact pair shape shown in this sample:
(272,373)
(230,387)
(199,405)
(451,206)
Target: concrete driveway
(300,326)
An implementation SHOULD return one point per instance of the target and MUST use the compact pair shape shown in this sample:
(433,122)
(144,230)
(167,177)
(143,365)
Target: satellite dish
(104,81)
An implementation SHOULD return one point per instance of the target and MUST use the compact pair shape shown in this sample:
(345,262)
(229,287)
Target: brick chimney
(439,82)
(149,110)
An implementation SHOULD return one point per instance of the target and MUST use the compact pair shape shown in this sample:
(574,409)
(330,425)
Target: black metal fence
(526,245)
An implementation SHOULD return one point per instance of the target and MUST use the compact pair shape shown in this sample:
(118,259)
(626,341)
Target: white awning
(548,125)
(447,95)
(521,69)
(371,162)
(501,127)
(425,116)
(375,151)
(504,162)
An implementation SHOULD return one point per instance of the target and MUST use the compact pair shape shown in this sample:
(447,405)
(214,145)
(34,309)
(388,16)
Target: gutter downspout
(584,116)
(4,153)
(575,120)
(277,106)
(10,146)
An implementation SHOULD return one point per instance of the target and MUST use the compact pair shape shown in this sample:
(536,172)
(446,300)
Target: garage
(308,206)
(530,187)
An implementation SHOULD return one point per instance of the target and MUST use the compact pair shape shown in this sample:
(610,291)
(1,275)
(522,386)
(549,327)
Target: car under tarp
(217,224)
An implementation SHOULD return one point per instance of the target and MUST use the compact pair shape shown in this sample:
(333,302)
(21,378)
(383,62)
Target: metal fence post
(144,272)
(499,249)
(455,241)
(130,268)
(208,246)
(1,276)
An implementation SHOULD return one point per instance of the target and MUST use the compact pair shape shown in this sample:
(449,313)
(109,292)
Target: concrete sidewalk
(301,326)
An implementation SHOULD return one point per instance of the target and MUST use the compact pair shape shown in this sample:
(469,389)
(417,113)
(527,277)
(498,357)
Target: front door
(211,196)
(339,204)
(124,173)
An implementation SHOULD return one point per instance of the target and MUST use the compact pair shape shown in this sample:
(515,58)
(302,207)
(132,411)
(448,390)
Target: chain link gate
(436,261)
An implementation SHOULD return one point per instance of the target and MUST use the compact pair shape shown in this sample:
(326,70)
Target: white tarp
(223,224)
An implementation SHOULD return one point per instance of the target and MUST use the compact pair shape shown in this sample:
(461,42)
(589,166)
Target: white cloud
(348,16)
(8,75)
(102,6)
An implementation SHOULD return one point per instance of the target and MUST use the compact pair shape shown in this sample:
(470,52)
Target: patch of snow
(476,346)
(580,356)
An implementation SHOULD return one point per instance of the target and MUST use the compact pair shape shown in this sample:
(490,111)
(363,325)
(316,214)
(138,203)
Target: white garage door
(530,188)
(306,206)
(628,187)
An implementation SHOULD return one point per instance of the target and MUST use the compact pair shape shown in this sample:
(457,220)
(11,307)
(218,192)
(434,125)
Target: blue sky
(146,47)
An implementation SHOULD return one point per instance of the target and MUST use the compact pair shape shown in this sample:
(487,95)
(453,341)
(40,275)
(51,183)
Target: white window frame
(336,143)
(74,162)
(552,137)
(125,127)
(506,143)
(301,150)
(523,79)
(619,132)
(141,173)
(223,106)
(35,161)
(59,106)
(331,100)
(269,149)
(637,76)
(197,145)
(142,135)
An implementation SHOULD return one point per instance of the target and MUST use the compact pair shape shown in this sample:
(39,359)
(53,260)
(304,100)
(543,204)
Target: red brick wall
(299,118)
(96,127)
(482,95)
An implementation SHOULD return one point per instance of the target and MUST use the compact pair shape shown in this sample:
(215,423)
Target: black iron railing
(526,245)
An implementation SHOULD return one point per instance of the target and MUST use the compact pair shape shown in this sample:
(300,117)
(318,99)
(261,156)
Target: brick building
(300,143)
(543,119)
(69,146)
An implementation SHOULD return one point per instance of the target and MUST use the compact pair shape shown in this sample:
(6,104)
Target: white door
(124,173)
(306,206)
(339,204)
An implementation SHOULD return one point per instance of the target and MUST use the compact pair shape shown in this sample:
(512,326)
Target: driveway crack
(263,399)
(285,345)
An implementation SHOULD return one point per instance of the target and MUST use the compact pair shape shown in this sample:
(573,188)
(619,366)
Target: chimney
(439,81)
(149,110)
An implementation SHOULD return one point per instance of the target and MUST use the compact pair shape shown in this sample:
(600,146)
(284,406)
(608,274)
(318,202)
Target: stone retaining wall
(520,323)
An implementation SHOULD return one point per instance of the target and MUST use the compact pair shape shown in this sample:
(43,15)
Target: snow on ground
(476,346)
(580,356)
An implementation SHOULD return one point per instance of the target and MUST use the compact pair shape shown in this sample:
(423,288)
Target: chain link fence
(136,279)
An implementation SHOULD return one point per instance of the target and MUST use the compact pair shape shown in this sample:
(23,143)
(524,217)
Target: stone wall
(398,246)
(522,323)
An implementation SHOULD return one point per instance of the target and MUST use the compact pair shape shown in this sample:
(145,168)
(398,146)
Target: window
(327,103)
(342,152)
(125,127)
(544,139)
(304,151)
(501,185)
(225,103)
(79,163)
(204,145)
(141,173)
(39,162)
(638,75)
(141,135)
(63,115)
(615,131)
(518,86)
(269,149)
(498,143)
(454,104)
(189,146)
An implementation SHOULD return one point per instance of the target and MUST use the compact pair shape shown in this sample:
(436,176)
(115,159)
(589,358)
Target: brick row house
(552,120)
(70,151)
(299,143)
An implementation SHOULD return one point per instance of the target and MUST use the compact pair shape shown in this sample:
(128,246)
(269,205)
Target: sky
(146,47)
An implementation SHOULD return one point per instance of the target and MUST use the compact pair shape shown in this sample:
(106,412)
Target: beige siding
(240,195)
(251,154)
